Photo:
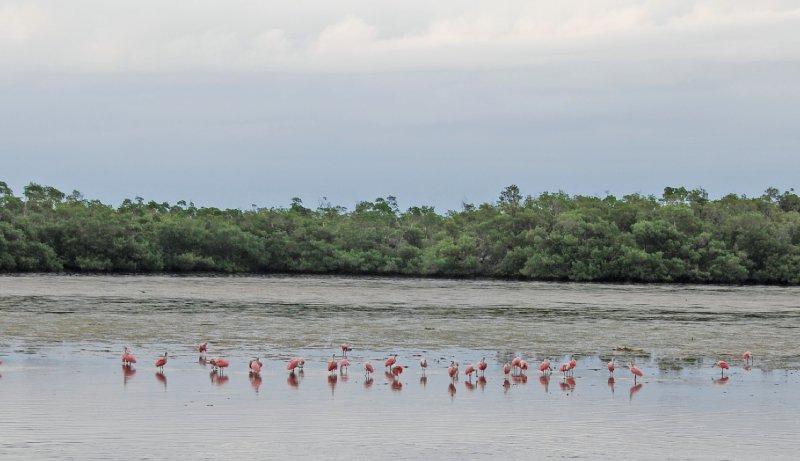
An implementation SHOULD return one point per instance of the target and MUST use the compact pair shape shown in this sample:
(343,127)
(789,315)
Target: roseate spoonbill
(295,363)
(397,370)
(523,367)
(723,365)
(368,369)
(423,363)
(390,361)
(470,369)
(572,364)
(564,368)
(637,373)
(127,357)
(506,369)
(544,367)
(332,365)
(482,366)
(345,349)
(255,366)
(343,364)
(612,365)
(202,347)
(515,363)
(161,362)
(453,370)
(218,364)
(748,358)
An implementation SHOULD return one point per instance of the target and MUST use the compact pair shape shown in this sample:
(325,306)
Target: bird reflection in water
(519,379)
(127,373)
(397,386)
(218,379)
(423,380)
(368,382)
(451,389)
(634,390)
(544,380)
(506,385)
(568,385)
(255,381)
(482,383)
(162,378)
(389,376)
(469,385)
(293,380)
(611,384)
(721,381)
(202,361)
(332,380)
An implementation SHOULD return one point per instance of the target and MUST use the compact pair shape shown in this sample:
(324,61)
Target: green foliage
(680,237)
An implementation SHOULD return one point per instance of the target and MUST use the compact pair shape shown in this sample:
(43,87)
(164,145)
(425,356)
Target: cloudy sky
(230,103)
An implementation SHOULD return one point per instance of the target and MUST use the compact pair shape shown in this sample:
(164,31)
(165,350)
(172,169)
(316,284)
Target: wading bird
(345,349)
(470,369)
(397,370)
(482,366)
(637,373)
(452,371)
(515,364)
(723,365)
(161,362)
(748,358)
(127,357)
(255,366)
(368,369)
(506,369)
(332,365)
(423,363)
(572,364)
(202,348)
(296,362)
(612,365)
(218,364)
(390,361)
(343,364)
(544,367)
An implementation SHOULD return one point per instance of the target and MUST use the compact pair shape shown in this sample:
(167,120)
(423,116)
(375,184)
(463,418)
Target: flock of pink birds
(517,367)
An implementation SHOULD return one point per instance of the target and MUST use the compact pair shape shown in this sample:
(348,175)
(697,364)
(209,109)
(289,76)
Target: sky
(235,103)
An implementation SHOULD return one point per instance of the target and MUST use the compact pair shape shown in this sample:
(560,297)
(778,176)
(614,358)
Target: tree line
(682,236)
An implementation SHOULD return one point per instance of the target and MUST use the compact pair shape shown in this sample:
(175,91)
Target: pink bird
(255,366)
(748,358)
(423,363)
(544,367)
(161,362)
(368,369)
(390,361)
(612,365)
(202,347)
(470,369)
(296,362)
(482,366)
(127,357)
(506,369)
(219,363)
(515,363)
(332,365)
(397,370)
(572,364)
(637,373)
(564,369)
(345,349)
(523,366)
(343,364)
(453,371)
(723,365)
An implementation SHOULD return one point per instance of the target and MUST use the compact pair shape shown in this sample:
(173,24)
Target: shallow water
(64,394)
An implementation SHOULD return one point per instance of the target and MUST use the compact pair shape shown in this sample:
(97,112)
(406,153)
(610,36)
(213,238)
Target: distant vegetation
(680,237)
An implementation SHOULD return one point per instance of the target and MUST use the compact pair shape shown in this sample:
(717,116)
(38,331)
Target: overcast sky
(236,102)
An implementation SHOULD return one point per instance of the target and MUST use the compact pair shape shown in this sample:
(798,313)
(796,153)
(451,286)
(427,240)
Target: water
(64,394)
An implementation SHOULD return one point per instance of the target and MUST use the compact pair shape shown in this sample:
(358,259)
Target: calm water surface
(64,394)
